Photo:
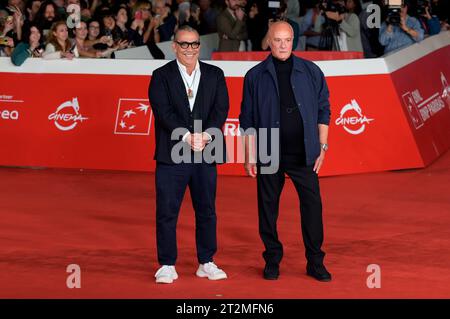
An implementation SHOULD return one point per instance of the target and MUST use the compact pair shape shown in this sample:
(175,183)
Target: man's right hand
(390,28)
(196,141)
(250,169)
(427,14)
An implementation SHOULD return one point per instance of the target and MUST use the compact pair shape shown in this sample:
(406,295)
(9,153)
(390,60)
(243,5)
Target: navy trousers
(171,184)
(306,183)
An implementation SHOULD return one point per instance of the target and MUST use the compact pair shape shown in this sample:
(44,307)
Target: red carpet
(105,222)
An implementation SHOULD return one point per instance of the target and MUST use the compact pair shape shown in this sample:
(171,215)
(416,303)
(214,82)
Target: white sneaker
(211,271)
(166,275)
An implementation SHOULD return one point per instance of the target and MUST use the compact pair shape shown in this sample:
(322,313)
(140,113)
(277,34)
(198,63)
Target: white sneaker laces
(211,268)
(164,271)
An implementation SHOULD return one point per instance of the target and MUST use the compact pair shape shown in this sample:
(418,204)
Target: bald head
(281,36)
(280,26)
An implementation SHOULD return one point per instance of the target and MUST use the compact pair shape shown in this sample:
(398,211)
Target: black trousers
(171,183)
(306,183)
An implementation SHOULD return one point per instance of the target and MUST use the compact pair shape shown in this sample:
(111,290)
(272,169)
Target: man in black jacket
(183,94)
(287,96)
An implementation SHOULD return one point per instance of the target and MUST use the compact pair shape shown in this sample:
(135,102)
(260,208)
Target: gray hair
(155,1)
(185,28)
(182,7)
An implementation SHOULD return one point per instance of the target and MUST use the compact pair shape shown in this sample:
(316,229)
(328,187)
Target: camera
(108,33)
(138,15)
(37,52)
(330,6)
(277,11)
(3,41)
(72,49)
(393,11)
(273,8)
(329,38)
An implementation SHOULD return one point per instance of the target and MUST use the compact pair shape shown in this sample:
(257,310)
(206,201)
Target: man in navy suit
(184,93)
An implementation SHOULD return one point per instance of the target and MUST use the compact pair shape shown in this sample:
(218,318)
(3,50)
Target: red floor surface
(105,223)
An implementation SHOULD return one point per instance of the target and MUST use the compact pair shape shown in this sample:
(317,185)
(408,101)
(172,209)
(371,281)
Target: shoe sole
(166,280)
(211,278)
(270,278)
(321,280)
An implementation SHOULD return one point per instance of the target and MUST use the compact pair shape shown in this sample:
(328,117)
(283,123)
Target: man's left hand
(403,25)
(427,13)
(199,141)
(319,162)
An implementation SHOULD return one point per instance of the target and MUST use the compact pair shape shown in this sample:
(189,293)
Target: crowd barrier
(210,43)
(309,55)
(387,113)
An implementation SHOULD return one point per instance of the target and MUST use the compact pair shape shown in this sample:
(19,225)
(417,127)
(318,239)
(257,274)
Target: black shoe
(318,272)
(271,271)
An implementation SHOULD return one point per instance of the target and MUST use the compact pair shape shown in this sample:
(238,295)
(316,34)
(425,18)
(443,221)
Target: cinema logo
(67,115)
(352,118)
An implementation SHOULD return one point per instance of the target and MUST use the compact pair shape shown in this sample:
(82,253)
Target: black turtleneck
(292,145)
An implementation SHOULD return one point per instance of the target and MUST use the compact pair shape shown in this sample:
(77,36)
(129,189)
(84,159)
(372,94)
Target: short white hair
(155,1)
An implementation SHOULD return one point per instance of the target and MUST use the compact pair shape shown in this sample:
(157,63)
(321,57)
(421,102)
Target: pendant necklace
(190,92)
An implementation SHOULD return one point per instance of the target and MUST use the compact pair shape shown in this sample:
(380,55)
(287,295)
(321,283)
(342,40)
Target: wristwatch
(324,146)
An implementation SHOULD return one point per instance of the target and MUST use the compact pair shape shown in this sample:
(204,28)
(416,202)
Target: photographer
(441,8)
(395,35)
(281,15)
(231,26)
(31,47)
(430,23)
(256,18)
(369,36)
(311,25)
(349,26)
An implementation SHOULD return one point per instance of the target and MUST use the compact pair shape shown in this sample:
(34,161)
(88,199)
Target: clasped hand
(197,141)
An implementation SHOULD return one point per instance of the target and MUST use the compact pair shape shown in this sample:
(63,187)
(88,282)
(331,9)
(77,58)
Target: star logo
(133,117)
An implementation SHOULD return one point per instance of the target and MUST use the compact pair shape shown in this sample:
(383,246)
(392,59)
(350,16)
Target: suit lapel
(179,86)
(230,17)
(199,96)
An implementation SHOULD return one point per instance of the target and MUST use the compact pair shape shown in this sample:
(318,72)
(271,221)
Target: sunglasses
(185,45)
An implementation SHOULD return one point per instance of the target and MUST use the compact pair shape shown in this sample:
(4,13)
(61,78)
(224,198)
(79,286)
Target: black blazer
(170,105)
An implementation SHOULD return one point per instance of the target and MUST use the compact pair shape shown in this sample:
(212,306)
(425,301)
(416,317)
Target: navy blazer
(260,106)
(170,105)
